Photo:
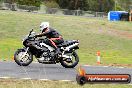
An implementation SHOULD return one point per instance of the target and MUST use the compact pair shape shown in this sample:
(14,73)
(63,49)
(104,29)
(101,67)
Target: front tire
(74,54)
(26,60)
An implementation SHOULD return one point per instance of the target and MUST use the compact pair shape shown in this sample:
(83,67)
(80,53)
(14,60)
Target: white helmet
(44,25)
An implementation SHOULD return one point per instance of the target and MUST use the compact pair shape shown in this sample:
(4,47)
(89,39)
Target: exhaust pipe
(71,46)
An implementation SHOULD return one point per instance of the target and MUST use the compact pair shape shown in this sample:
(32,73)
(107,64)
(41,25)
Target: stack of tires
(124,17)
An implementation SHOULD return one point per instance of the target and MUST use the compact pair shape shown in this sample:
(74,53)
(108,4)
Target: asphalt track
(53,71)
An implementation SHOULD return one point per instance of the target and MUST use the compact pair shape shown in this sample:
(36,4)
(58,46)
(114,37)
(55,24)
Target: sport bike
(45,54)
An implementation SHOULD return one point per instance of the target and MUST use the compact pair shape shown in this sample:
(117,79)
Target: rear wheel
(22,57)
(70,62)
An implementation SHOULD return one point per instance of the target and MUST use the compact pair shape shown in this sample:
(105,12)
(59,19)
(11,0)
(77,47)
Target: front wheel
(70,62)
(22,57)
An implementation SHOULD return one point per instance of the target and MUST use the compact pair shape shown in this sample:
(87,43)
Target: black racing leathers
(54,38)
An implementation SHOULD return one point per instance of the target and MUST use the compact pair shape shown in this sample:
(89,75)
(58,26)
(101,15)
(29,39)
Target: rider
(53,36)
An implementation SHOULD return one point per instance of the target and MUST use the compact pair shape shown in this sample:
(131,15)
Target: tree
(73,4)
(94,5)
(107,5)
(50,3)
(100,5)
(9,1)
(29,2)
(124,4)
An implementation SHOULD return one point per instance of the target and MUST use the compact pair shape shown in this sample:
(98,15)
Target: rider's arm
(42,34)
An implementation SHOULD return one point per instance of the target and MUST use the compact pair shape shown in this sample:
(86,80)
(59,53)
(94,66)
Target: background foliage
(94,5)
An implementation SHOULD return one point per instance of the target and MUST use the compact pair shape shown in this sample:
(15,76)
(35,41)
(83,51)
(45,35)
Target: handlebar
(30,32)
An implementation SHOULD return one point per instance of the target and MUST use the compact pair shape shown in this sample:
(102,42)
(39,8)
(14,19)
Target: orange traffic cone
(98,58)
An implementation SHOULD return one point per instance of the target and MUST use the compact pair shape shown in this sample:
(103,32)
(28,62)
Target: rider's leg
(53,44)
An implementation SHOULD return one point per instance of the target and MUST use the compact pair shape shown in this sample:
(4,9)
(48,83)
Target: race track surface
(53,71)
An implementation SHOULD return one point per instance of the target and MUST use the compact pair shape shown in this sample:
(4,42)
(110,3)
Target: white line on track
(5,77)
(33,79)
(101,66)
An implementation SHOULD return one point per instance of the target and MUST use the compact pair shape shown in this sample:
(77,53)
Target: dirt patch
(114,32)
(124,34)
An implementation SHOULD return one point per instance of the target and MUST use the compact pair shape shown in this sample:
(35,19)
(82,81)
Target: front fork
(27,49)
(24,54)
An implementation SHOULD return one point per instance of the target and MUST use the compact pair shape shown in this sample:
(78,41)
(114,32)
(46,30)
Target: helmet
(44,25)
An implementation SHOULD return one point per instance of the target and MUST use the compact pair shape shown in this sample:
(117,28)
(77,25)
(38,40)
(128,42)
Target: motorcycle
(45,54)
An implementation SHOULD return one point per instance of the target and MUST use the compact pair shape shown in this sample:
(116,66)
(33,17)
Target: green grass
(94,34)
(6,83)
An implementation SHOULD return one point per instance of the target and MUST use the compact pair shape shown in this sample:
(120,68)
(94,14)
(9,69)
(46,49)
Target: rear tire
(74,64)
(30,58)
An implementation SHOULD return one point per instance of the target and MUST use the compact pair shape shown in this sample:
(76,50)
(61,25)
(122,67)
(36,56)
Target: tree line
(93,5)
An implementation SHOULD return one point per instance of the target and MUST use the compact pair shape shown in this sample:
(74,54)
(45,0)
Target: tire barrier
(82,78)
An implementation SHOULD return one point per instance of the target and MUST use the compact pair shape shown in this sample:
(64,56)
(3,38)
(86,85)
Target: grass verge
(113,39)
(15,83)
